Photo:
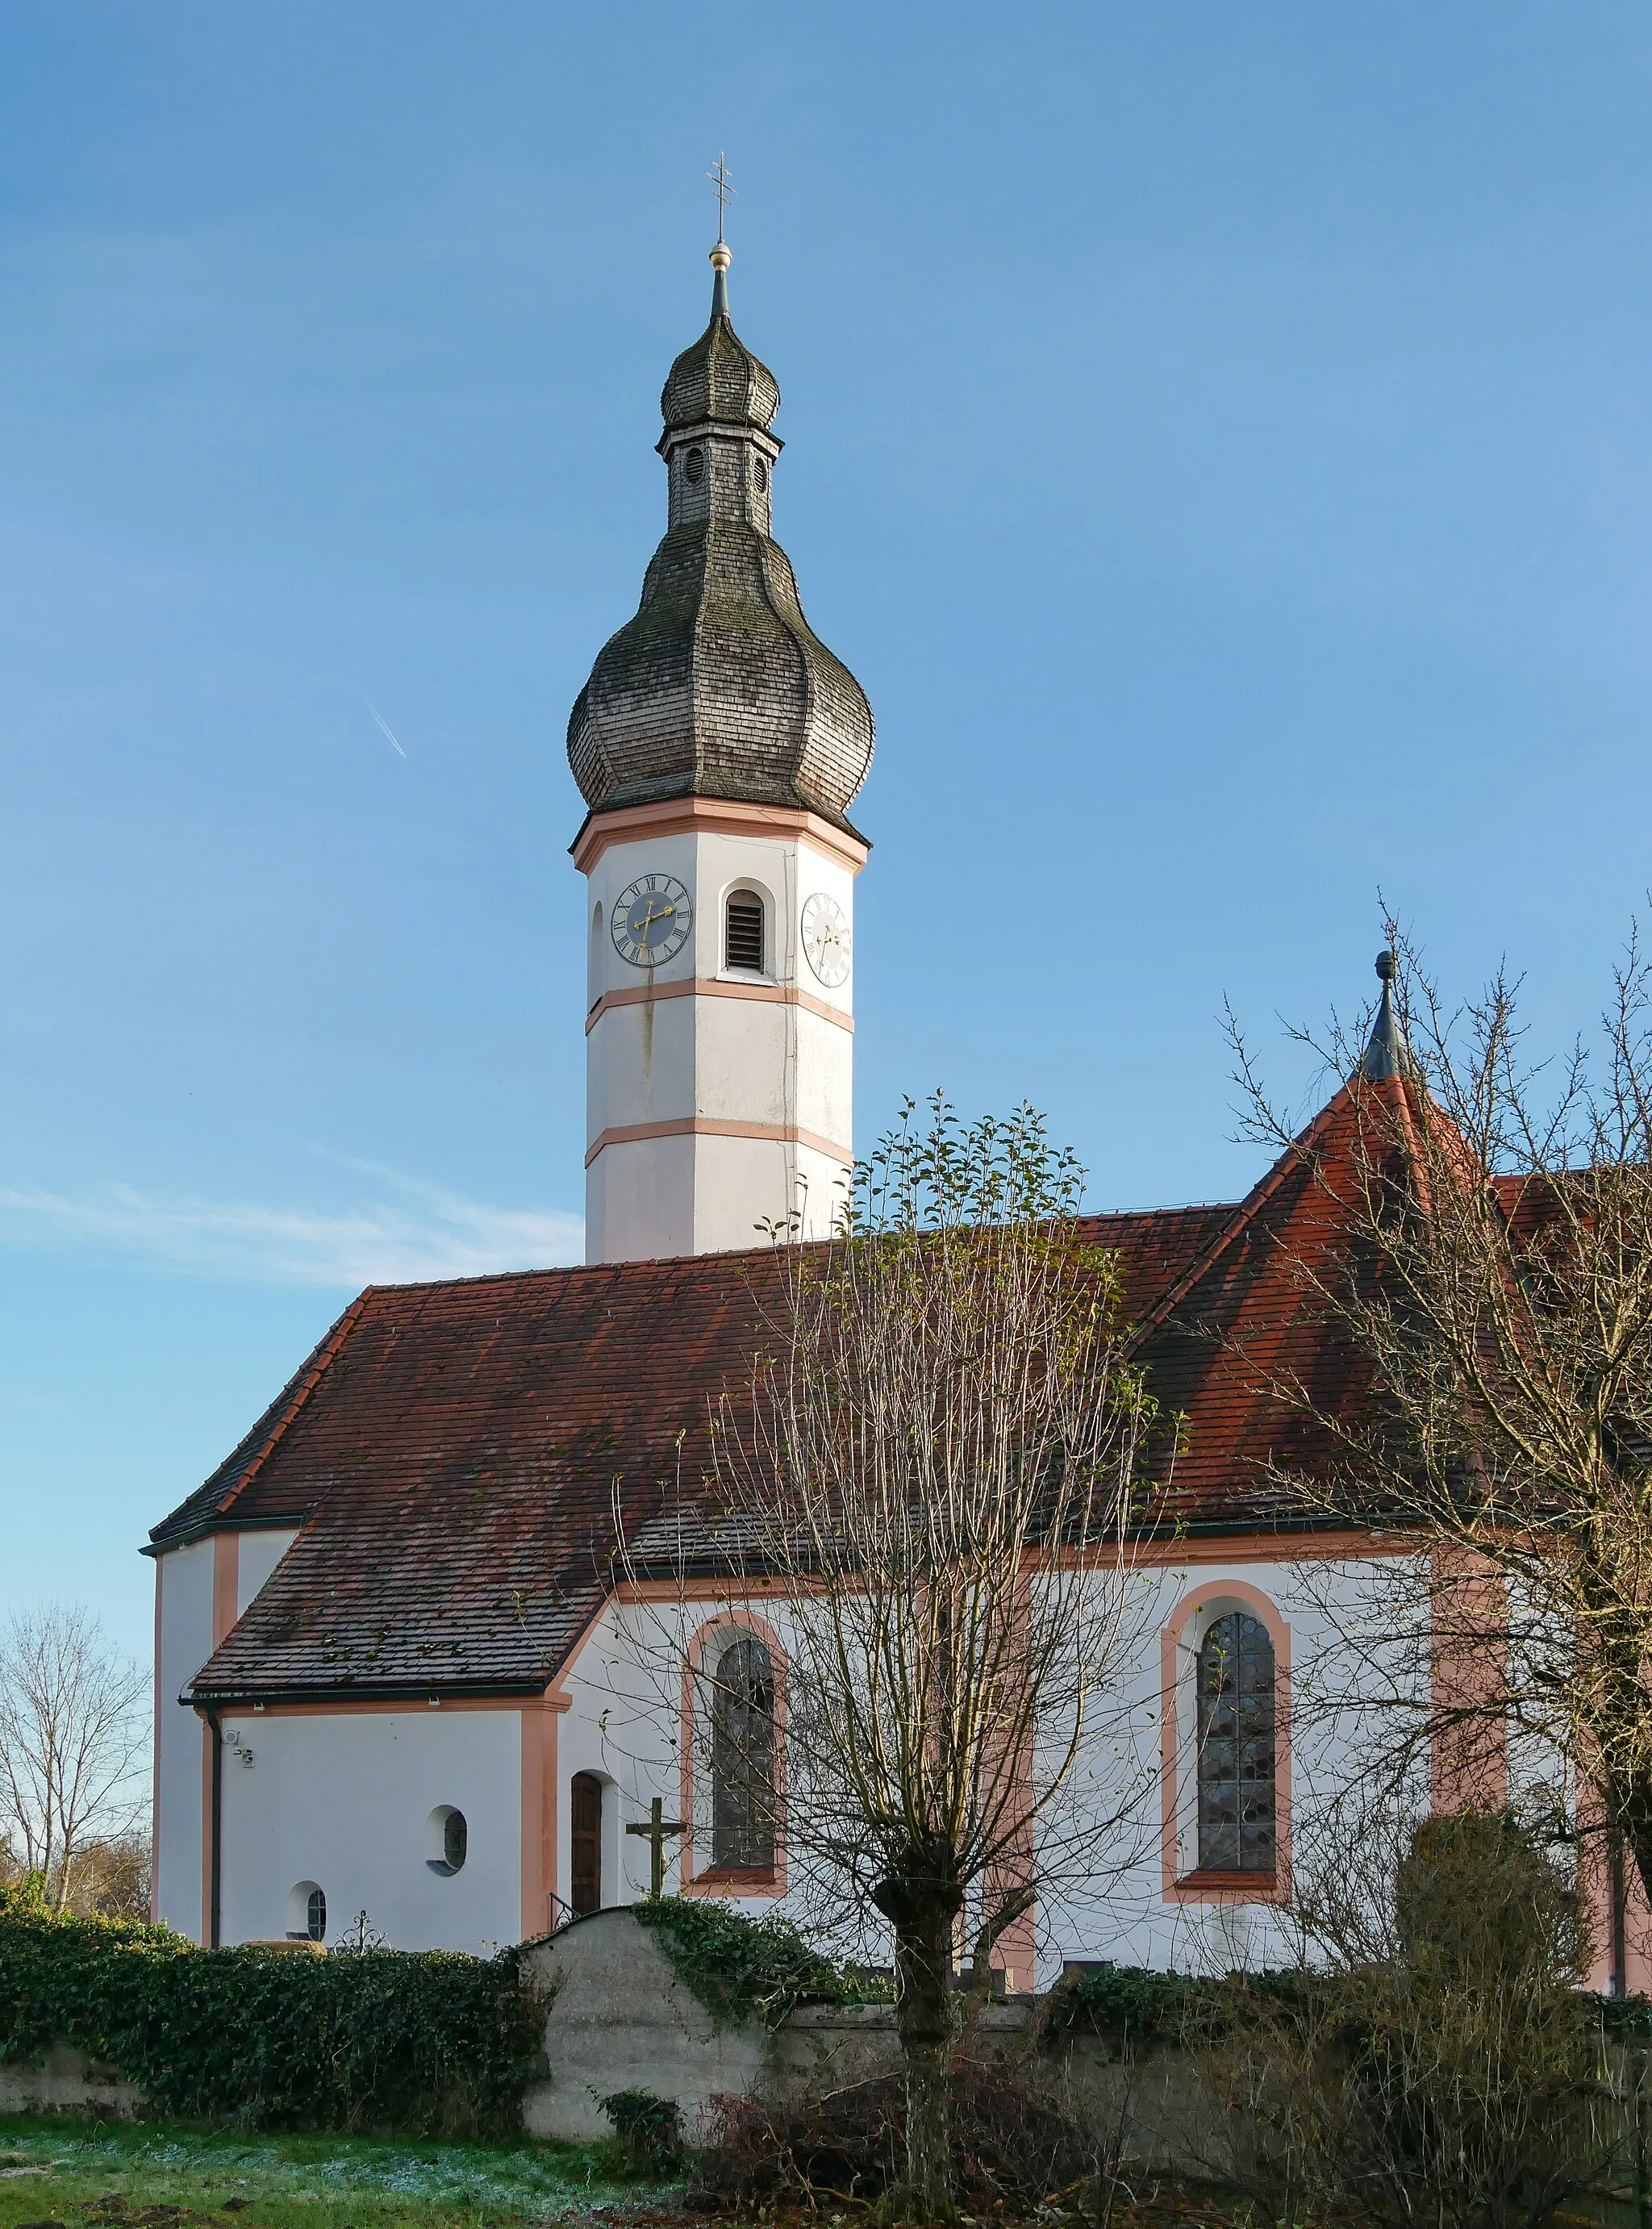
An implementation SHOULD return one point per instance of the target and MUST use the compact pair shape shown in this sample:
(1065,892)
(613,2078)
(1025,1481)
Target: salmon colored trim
(1594,1866)
(709,1126)
(1180,1554)
(155,1783)
(713,987)
(538,1816)
(1462,1773)
(679,816)
(1208,1887)
(226,1583)
(714,1881)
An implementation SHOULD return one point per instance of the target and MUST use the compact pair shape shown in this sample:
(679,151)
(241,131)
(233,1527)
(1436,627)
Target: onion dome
(719,687)
(719,378)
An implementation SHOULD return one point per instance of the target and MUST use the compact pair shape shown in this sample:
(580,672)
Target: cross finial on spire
(725,190)
(721,259)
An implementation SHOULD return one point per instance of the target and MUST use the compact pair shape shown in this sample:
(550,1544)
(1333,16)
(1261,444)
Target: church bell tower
(718,745)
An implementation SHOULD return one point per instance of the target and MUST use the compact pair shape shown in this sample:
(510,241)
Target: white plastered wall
(625,1723)
(720,1057)
(344,1799)
(257,1555)
(184,1642)
(184,1635)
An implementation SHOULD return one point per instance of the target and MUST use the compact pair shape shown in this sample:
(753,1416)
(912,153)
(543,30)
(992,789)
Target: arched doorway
(585,1820)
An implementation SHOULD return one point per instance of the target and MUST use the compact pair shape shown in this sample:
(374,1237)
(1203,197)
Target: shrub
(419,2040)
(1138,2004)
(1012,2146)
(1462,2063)
(647,2130)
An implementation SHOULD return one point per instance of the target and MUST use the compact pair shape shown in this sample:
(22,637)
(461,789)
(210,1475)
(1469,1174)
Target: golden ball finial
(721,257)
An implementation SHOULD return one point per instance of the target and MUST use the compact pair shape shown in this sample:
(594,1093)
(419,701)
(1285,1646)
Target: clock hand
(663,913)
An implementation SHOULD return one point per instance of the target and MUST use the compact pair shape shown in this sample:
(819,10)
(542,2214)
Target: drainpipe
(212,1927)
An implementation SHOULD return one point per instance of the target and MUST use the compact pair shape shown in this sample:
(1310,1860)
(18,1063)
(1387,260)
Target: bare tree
(72,1743)
(1433,2060)
(1487,1264)
(931,1484)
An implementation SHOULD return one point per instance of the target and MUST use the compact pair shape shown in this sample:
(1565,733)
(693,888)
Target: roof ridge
(1242,1216)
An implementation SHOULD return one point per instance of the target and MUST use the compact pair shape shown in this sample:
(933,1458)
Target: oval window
(446,1839)
(760,473)
(694,466)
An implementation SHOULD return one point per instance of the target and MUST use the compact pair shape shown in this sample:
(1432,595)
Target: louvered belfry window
(743,942)
(1236,1747)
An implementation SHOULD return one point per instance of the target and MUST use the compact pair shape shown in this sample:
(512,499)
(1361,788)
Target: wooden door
(586,1824)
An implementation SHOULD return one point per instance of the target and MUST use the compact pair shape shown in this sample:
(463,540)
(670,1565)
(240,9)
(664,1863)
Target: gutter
(215,1871)
(427,1691)
(162,1544)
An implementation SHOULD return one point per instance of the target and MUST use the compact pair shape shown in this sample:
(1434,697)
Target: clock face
(652,919)
(826,939)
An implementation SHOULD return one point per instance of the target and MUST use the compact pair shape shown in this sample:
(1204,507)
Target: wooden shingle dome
(719,687)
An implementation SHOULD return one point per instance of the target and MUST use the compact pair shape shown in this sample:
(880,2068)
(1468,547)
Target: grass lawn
(75,2173)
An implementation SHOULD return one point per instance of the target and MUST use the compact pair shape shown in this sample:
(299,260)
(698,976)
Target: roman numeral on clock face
(653,916)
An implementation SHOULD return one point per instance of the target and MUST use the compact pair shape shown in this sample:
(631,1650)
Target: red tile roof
(450,1450)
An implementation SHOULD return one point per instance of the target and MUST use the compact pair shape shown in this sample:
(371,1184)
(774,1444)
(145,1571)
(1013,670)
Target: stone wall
(69,2082)
(621,2020)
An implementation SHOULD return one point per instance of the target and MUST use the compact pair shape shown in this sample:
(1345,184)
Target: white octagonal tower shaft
(719,744)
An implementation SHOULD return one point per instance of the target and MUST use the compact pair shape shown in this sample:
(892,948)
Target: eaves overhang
(162,1543)
(425,1691)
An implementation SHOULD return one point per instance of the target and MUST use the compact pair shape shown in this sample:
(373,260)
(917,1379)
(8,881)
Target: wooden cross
(722,190)
(654,1829)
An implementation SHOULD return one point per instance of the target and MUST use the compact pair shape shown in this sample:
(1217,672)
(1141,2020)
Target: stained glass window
(1236,1747)
(742,1759)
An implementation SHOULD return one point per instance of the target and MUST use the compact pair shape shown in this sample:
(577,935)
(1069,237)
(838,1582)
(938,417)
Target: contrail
(383,724)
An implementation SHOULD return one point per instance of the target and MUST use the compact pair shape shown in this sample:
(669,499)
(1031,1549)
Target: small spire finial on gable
(720,258)
(1387,1054)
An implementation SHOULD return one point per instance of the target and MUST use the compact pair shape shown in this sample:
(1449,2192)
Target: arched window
(585,1854)
(742,1760)
(448,1841)
(1236,1747)
(315,1915)
(742,940)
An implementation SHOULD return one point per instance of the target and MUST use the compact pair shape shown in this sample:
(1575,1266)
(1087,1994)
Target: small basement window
(743,935)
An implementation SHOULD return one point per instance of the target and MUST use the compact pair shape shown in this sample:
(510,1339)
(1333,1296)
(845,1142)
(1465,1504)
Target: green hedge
(1137,2004)
(425,2041)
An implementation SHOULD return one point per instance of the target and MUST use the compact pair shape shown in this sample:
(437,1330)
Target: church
(390,1632)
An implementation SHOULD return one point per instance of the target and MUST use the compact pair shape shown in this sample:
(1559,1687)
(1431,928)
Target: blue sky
(1218,440)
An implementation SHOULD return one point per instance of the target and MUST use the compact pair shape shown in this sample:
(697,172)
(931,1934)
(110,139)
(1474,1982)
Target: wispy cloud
(418,1230)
